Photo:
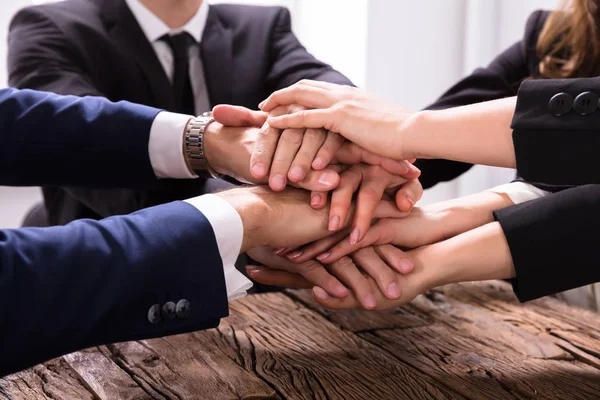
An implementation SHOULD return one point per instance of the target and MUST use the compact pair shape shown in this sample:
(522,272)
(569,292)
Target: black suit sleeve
(553,241)
(557,152)
(41,57)
(498,80)
(292,62)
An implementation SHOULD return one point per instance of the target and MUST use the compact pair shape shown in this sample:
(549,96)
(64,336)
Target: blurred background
(407,51)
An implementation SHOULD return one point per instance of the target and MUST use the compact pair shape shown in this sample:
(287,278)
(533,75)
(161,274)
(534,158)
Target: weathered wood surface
(467,341)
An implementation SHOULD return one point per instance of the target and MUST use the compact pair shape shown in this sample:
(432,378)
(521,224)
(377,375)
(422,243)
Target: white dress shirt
(154,29)
(165,151)
(166,158)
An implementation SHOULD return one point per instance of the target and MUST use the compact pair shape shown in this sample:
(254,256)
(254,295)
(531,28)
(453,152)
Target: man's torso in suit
(96,47)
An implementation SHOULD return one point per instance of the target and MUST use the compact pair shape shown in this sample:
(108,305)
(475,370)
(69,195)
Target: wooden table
(468,341)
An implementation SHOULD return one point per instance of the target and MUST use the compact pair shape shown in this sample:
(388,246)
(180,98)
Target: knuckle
(293,136)
(374,170)
(344,262)
(369,194)
(314,135)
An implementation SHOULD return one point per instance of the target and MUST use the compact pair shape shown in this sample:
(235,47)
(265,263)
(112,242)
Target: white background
(404,50)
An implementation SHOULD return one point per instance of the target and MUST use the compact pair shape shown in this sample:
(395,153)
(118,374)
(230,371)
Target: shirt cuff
(229,233)
(165,146)
(520,192)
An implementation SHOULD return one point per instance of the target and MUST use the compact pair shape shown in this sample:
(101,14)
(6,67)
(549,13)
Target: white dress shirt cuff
(165,146)
(520,192)
(229,233)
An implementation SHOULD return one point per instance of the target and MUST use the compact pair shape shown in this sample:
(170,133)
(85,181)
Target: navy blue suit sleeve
(292,62)
(47,139)
(89,282)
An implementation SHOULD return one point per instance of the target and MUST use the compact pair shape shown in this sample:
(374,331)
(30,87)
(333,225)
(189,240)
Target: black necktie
(182,85)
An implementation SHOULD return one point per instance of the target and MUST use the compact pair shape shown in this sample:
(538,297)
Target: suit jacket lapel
(217,59)
(125,30)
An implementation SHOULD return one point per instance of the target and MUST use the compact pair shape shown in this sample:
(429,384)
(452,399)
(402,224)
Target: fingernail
(370,302)
(296,173)
(315,200)
(334,223)
(251,268)
(328,178)
(320,293)
(293,255)
(259,170)
(394,290)
(354,236)
(278,182)
(280,251)
(319,163)
(405,266)
(323,256)
(262,104)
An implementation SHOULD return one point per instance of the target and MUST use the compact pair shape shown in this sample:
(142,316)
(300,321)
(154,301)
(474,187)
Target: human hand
(478,254)
(374,124)
(290,155)
(284,219)
(371,183)
(281,272)
(410,285)
(229,150)
(424,225)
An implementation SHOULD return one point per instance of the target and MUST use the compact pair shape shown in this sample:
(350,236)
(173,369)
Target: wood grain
(303,356)
(484,344)
(53,380)
(466,341)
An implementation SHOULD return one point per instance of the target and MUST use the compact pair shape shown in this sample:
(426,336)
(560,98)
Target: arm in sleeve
(553,151)
(49,139)
(292,62)
(498,80)
(89,283)
(553,241)
(41,57)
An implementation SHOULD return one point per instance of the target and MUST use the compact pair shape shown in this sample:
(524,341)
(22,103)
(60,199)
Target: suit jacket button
(560,104)
(154,314)
(586,103)
(183,308)
(168,310)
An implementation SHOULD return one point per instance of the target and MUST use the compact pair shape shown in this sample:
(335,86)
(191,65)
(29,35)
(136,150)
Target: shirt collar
(154,28)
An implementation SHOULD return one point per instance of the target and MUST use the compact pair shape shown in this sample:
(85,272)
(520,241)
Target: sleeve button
(183,308)
(154,315)
(560,104)
(586,103)
(168,310)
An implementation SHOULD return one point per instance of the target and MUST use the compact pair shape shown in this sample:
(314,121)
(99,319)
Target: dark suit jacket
(553,239)
(93,282)
(96,47)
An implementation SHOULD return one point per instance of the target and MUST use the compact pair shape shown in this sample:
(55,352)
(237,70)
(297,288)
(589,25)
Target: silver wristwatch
(193,145)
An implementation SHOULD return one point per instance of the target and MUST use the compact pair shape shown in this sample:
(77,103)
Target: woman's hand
(350,271)
(291,154)
(371,183)
(371,123)
(423,226)
(417,282)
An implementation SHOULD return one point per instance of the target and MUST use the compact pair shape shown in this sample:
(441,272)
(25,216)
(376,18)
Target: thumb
(229,115)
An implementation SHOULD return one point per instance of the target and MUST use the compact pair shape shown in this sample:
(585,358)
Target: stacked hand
(315,128)
(298,157)
(365,148)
